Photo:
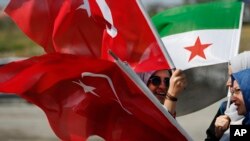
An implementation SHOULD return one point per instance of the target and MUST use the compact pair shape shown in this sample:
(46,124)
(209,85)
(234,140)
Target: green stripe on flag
(213,15)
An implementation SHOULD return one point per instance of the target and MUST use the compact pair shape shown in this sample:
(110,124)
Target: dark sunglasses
(156,81)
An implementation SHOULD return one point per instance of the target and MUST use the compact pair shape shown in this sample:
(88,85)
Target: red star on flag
(197,49)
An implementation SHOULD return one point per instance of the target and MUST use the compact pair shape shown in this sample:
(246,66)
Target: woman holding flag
(227,113)
(166,85)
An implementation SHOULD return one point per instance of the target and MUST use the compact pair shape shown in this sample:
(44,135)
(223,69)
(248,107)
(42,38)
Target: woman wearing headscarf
(218,129)
(241,94)
(166,85)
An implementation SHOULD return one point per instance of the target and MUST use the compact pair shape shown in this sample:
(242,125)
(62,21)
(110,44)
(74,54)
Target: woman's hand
(177,83)
(221,125)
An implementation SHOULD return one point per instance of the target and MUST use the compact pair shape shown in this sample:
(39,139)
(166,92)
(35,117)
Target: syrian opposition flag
(91,28)
(83,97)
(201,34)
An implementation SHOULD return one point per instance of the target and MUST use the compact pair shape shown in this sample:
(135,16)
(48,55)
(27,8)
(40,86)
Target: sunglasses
(156,81)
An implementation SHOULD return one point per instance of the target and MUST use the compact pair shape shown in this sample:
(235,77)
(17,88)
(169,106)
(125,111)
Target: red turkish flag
(85,96)
(90,28)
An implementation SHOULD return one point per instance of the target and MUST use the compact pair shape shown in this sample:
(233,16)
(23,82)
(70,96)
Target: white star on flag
(85,6)
(86,88)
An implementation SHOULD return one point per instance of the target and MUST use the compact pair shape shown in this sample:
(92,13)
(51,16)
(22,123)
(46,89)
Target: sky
(4,2)
(167,3)
(145,3)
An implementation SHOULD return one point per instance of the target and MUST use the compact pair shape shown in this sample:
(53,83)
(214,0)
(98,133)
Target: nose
(233,98)
(162,85)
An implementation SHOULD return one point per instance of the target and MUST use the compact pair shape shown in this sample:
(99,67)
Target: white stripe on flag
(224,45)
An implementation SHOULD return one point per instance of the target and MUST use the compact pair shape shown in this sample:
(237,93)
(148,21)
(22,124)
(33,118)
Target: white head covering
(145,76)
(240,62)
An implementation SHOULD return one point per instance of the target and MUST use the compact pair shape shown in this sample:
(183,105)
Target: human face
(160,90)
(237,98)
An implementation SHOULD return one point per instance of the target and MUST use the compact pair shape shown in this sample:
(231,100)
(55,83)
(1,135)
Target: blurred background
(22,121)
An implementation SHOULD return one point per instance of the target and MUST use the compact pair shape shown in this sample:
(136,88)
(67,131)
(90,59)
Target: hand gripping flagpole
(135,78)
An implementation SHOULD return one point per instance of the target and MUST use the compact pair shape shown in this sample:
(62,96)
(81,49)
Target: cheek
(151,87)
(236,99)
(240,98)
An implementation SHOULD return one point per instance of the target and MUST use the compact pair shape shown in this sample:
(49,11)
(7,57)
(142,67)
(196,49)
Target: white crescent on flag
(90,89)
(106,12)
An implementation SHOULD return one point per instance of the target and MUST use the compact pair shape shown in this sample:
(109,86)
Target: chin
(161,100)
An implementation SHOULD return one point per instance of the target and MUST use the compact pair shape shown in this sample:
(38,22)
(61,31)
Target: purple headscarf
(145,76)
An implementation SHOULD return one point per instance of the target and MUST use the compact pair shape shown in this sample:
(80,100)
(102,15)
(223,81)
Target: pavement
(196,123)
(21,121)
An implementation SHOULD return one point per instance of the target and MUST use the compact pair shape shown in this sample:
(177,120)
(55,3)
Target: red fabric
(52,83)
(63,26)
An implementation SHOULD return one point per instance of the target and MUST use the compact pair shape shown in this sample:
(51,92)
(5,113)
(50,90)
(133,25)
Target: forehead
(236,85)
(163,73)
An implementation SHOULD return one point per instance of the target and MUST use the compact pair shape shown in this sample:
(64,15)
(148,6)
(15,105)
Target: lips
(160,92)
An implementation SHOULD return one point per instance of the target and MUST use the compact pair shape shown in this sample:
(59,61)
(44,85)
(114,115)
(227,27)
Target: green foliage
(245,38)
(13,42)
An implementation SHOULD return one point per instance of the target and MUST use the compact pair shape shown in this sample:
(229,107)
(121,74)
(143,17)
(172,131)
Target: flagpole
(236,51)
(158,38)
(141,85)
(228,99)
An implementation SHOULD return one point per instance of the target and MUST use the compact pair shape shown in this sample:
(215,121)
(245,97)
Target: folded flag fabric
(91,28)
(83,97)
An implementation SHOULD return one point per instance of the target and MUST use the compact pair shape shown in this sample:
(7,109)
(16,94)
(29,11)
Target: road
(21,121)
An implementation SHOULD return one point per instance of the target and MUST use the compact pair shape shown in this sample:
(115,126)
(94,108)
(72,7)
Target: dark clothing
(211,130)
